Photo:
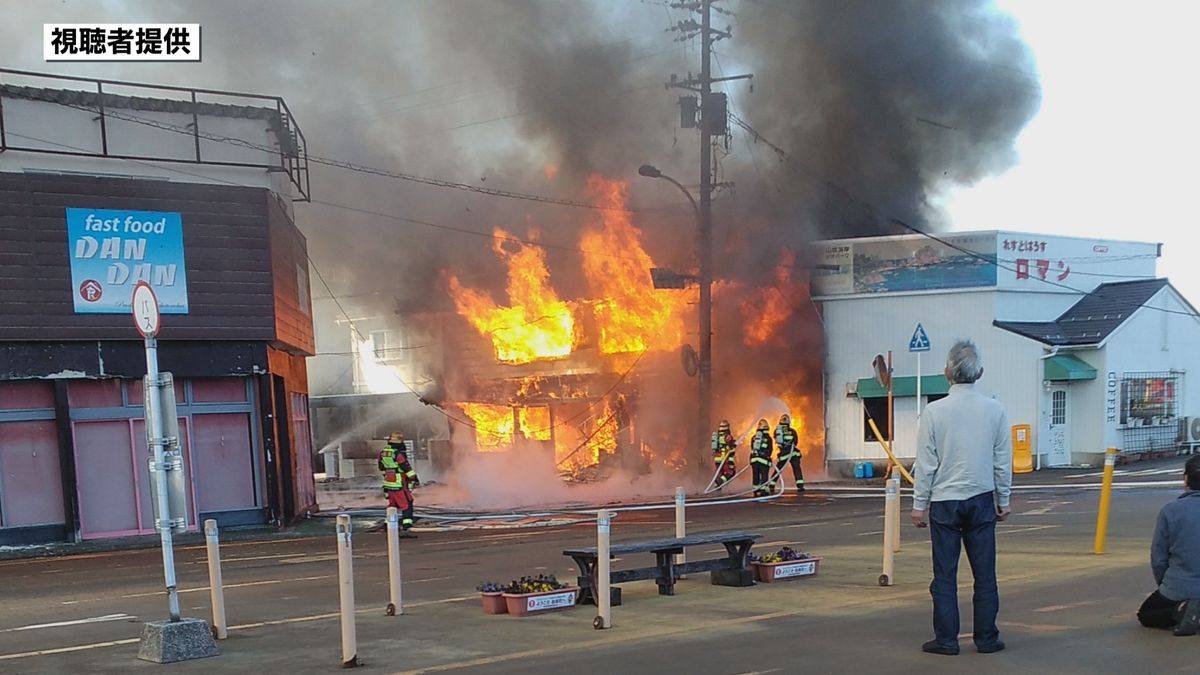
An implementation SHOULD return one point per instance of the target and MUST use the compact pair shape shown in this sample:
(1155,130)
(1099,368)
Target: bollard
(346,591)
(1110,462)
(891,511)
(603,589)
(898,509)
(215,584)
(396,606)
(680,522)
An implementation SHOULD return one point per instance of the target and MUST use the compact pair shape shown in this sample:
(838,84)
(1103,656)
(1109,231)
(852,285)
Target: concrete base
(735,578)
(172,641)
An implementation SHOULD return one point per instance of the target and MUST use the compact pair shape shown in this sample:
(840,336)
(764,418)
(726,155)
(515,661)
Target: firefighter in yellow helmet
(399,478)
(723,447)
(760,458)
(789,452)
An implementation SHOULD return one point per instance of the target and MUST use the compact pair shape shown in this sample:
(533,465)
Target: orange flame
(631,314)
(493,425)
(767,311)
(535,423)
(537,325)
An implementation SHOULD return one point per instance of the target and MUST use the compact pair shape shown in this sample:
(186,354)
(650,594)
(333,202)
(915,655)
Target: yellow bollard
(603,571)
(891,512)
(896,511)
(680,522)
(346,591)
(396,604)
(1110,462)
(215,585)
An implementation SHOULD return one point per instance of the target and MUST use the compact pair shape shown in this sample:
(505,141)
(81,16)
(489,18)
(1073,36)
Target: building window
(386,346)
(302,290)
(875,409)
(1058,408)
(1149,398)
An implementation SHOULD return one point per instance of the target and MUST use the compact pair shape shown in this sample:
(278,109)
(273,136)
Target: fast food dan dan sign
(111,251)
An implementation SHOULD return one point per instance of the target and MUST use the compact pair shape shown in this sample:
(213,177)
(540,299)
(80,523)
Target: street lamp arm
(691,199)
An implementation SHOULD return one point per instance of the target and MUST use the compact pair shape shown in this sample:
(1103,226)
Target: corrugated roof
(1093,318)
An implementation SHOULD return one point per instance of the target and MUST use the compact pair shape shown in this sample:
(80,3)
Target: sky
(1113,151)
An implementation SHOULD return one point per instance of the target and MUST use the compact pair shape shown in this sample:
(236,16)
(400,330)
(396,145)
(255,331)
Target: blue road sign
(919,341)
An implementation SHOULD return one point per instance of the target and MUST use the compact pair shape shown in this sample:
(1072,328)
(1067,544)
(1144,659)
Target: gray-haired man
(963,478)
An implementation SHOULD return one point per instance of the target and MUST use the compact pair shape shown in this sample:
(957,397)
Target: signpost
(176,639)
(919,342)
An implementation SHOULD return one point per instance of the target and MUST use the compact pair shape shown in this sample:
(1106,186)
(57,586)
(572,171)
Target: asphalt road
(1063,608)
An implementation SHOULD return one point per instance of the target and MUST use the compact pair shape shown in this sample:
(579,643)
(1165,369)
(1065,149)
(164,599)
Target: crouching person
(1175,561)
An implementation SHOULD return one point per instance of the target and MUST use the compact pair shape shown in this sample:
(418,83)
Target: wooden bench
(731,570)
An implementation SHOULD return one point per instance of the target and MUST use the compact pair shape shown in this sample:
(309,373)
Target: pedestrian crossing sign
(919,341)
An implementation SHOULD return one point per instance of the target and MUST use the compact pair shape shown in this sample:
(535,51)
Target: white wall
(1153,340)
(1012,371)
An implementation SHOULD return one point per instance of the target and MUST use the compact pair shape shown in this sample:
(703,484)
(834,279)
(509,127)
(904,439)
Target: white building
(1079,340)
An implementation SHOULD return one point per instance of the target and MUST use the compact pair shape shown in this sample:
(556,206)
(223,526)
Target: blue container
(868,470)
(858,470)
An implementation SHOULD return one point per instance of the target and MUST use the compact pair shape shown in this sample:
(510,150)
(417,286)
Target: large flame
(767,311)
(493,425)
(536,325)
(632,316)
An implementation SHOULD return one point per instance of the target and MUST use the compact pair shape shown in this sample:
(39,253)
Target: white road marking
(199,589)
(76,622)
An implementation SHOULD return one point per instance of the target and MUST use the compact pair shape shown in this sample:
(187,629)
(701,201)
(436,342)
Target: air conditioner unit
(1189,430)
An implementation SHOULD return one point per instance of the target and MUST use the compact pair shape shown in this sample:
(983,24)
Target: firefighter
(399,478)
(760,459)
(785,439)
(723,448)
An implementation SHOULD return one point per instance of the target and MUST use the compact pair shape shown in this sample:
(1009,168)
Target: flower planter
(494,603)
(788,569)
(524,604)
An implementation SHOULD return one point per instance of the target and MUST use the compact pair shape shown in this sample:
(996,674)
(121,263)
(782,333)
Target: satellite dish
(882,376)
(691,362)
(1195,428)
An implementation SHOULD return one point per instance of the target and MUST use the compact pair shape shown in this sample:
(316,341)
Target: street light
(704,254)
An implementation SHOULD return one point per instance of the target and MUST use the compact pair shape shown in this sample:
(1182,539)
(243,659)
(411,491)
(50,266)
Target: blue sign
(919,341)
(113,250)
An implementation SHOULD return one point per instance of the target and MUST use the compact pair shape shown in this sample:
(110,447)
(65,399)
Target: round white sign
(145,309)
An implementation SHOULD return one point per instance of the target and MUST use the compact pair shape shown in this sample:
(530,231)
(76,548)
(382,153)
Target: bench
(732,570)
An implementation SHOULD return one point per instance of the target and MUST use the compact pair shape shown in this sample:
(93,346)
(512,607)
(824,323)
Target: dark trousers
(1159,611)
(761,472)
(797,471)
(954,525)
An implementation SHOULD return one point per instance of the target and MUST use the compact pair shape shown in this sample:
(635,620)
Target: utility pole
(714,121)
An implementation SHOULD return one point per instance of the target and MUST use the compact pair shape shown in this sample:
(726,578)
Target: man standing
(785,440)
(1175,561)
(963,477)
(760,458)
(724,447)
(398,478)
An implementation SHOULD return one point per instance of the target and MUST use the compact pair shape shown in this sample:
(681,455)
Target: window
(302,288)
(386,345)
(876,409)
(1149,398)
(1058,408)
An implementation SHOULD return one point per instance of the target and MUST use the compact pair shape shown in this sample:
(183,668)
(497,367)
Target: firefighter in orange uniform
(723,448)
(760,459)
(399,478)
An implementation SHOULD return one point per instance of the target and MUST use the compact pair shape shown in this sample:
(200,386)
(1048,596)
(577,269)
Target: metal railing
(289,155)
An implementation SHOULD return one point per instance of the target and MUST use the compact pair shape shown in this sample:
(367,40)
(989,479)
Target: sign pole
(918,385)
(154,422)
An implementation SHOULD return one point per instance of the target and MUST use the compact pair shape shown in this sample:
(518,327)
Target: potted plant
(536,595)
(787,563)
(492,595)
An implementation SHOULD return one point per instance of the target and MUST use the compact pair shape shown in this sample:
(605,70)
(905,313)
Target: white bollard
(396,606)
(891,509)
(896,514)
(346,591)
(215,584)
(603,568)
(680,522)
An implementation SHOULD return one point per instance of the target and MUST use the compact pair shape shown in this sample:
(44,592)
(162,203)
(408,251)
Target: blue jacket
(1175,553)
